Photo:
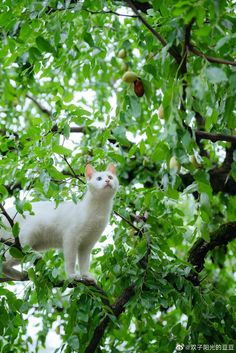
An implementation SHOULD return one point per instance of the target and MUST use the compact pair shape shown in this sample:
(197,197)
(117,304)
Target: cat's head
(102,184)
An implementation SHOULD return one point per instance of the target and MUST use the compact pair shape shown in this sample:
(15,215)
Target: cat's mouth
(108,186)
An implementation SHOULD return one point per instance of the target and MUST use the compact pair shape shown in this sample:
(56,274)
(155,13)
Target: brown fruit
(138,87)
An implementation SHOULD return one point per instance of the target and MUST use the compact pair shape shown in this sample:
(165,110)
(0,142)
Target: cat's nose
(107,181)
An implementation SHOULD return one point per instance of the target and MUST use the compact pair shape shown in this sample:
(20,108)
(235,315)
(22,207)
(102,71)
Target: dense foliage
(167,272)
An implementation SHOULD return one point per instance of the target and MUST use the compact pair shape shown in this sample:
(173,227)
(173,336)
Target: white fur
(73,227)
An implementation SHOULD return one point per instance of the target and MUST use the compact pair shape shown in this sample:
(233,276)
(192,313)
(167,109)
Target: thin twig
(39,105)
(17,243)
(72,171)
(211,58)
(74,129)
(4,212)
(109,12)
(7,242)
(171,50)
(138,230)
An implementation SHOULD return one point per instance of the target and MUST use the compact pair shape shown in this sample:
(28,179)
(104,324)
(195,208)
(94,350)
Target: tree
(167,275)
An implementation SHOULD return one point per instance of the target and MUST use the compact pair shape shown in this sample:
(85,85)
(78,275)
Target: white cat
(73,227)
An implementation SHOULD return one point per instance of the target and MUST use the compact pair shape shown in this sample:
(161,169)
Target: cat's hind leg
(70,252)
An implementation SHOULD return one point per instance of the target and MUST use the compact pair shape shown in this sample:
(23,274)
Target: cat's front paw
(83,278)
(88,277)
(74,277)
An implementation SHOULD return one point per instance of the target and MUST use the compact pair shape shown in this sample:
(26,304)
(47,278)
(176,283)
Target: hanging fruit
(129,77)
(138,87)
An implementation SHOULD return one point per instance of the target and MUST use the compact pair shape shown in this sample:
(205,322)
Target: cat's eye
(99,178)
(110,177)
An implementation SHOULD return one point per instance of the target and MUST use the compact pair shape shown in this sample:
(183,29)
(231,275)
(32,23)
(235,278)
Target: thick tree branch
(183,67)
(219,181)
(72,284)
(119,306)
(214,137)
(229,158)
(142,6)
(211,58)
(197,254)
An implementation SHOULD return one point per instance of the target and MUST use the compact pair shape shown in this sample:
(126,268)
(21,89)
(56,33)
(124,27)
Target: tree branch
(211,58)
(173,51)
(73,173)
(200,249)
(81,129)
(138,230)
(109,12)
(214,137)
(4,212)
(119,306)
(72,284)
(16,243)
(9,242)
(220,181)
(39,105)
(142,6)
(73,129)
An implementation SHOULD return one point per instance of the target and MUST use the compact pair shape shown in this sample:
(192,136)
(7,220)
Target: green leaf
(16,229)
(3,192)
(135,106)
(16,253)
(61,150)
(73,342)
(229,114)
(44,45)
(89,39)
(215,75)
(34,54)
(54,173)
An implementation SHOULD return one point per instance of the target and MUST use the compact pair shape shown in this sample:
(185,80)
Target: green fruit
(194,161)
(161,112)
(124,66)
(129,77)
(122,54)
(174,164)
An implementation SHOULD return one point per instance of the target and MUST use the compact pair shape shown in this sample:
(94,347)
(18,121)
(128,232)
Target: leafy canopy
(63,104)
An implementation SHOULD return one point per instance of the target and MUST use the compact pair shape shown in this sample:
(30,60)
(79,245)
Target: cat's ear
(112,168)
(89,170)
